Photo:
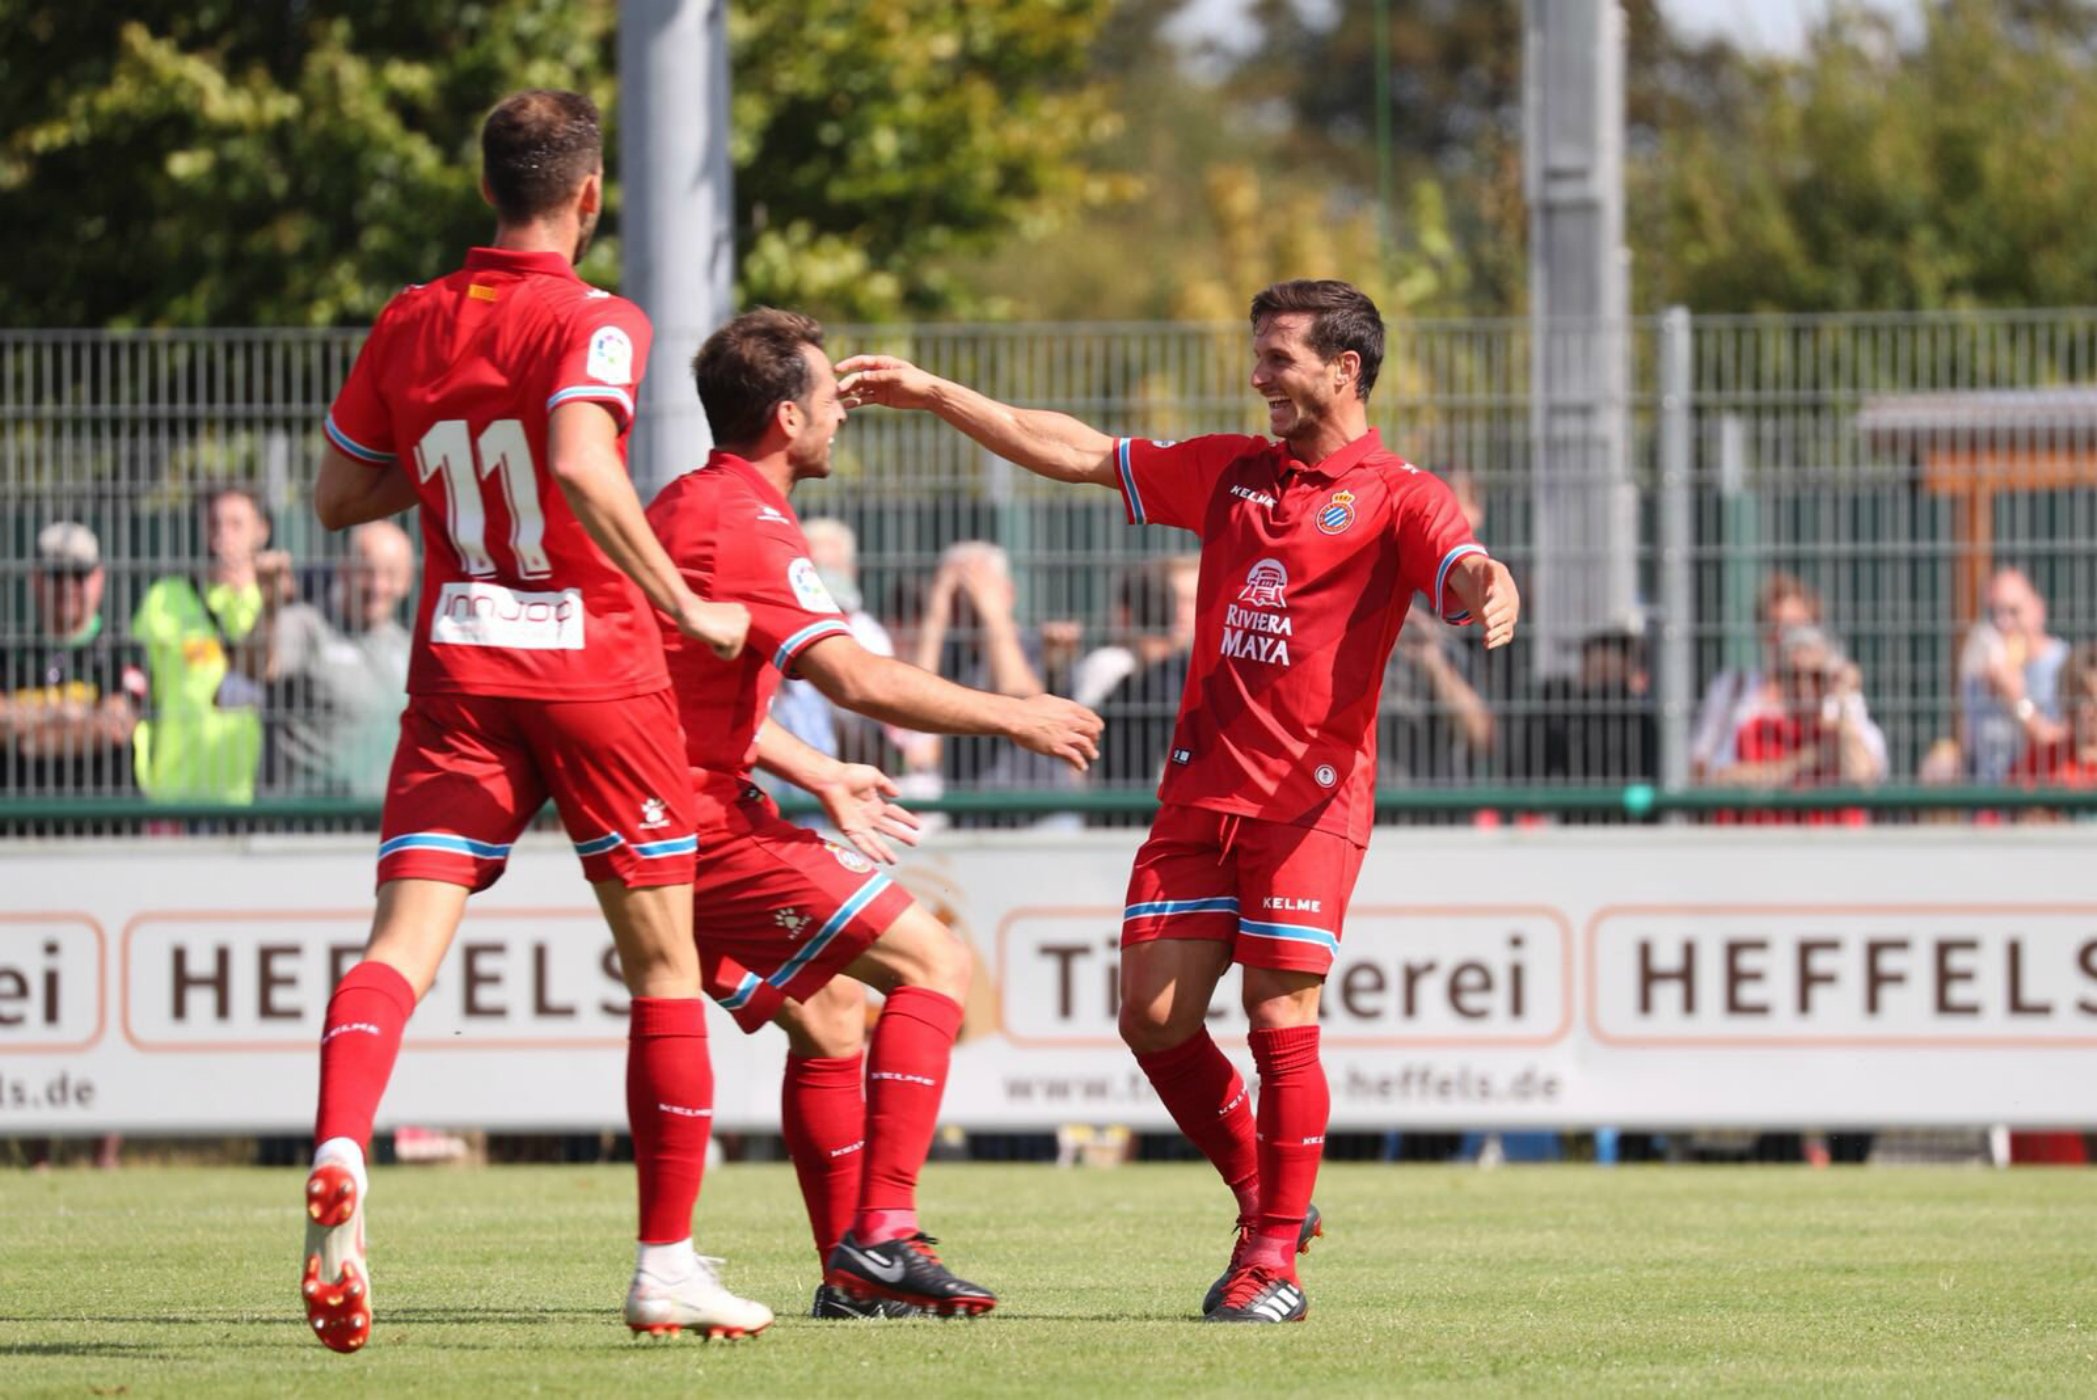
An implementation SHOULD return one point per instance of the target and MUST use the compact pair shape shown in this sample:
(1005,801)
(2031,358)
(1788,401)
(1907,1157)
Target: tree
(1957,172)
(236,162)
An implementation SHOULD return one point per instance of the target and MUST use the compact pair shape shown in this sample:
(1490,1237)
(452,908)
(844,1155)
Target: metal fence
(1814,514)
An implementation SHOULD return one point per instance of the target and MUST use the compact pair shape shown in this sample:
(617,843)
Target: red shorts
(779,911)
(1276,893)
(473,770)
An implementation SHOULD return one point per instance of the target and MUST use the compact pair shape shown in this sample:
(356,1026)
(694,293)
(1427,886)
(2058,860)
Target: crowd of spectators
(249,674)
(225,682)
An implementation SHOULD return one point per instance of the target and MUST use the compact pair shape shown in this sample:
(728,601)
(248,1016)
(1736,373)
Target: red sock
(1206,1096)
(670,1109)
(1295,1102)
(359,1042)
(906,1076)
(822,1113)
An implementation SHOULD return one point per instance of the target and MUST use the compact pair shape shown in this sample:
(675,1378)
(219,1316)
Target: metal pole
(677,222)
(1384,220)
(1677,542)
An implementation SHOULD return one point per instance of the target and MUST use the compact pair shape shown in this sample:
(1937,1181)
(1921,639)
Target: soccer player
(499,399)
(787,911)
(1313,543)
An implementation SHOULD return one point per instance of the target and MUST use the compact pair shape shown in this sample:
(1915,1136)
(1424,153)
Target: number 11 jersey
(456,387)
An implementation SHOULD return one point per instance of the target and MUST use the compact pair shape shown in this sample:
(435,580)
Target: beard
(583,234)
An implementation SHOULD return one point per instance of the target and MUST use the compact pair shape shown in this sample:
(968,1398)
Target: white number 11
(448,450)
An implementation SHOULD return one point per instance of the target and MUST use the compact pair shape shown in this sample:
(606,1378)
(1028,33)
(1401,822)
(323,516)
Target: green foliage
(874,141)
(1958,172)
(238,162)
(296,161)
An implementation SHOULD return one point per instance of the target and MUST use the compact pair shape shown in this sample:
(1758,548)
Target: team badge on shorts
(850,860)
(1264,585)
(1338,513)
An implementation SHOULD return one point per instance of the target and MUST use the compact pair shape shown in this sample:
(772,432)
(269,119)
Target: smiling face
(1303,390)
(814,419)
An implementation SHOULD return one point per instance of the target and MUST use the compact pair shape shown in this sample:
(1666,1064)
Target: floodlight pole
(1585,574)
(676,223)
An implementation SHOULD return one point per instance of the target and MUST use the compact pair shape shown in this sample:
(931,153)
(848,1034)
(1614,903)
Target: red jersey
(1773,737)
(456,386)
(1306,576)
(732,535)
(2058,765)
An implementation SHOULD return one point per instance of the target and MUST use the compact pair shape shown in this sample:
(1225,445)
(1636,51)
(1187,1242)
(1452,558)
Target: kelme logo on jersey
(611,357)
(808,587)
(1338,513)
(1264,585)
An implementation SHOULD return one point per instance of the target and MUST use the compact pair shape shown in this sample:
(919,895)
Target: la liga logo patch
(1338,513)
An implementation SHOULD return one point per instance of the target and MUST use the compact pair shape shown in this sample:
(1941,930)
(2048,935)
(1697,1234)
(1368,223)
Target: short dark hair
(537,147)
(1342,318)
(749,367)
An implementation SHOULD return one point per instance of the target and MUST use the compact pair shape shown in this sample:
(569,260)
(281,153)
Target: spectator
(1819,736)
(1736,698)
(802,709)
(1599,728)
(1155,611)
(70,694)
(1153,616)
(1434,717)
(2009,680)
(2069,760)
(970,633)
(204,739)
(336,676)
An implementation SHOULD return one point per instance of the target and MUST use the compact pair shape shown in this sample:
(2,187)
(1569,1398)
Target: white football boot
(336,1285)
(665,1307)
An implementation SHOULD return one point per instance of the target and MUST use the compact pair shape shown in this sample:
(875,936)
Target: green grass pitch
(1556,1279)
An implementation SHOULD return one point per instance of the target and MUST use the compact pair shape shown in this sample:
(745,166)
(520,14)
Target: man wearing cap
(70,694)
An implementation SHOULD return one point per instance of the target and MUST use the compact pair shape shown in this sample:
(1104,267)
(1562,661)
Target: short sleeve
(1171,483)
(790,609)
(1432,535)
(602,358)
(359,423)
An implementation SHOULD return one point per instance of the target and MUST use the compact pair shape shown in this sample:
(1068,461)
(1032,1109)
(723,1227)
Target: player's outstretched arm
(858,797)
(896,692)
(1488,593)
(349,492)
(1053,445)
(583,441)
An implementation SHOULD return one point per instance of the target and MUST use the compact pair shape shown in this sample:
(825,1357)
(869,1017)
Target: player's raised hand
(884,380)
(721,627)
(1049,724)
(1499,607)
(859,801)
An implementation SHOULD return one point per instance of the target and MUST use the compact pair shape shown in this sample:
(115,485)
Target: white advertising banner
(1644,978)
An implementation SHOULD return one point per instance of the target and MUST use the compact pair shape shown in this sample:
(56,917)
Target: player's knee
(1280,1001)
(829,1025)
(1147,1028)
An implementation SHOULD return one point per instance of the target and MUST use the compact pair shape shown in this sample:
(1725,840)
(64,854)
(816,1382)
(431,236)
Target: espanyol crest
(1338,513)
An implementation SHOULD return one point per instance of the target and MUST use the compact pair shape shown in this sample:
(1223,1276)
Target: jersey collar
(504,260)
(742,467)
(1339,463)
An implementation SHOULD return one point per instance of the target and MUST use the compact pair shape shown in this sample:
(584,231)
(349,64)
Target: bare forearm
(1053,445)
(1010,673)
(603,499)
(783,755)
(896,693)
